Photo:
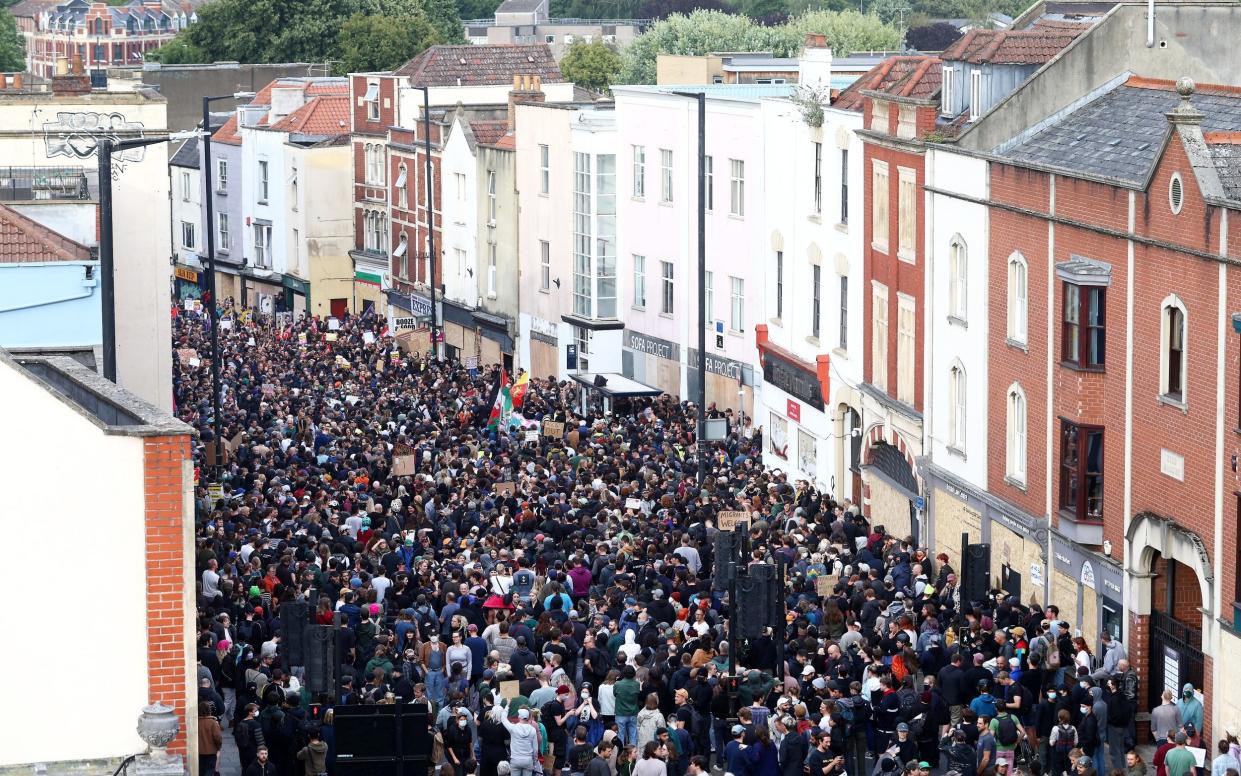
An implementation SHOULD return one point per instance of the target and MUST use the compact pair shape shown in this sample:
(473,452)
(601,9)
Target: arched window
(958,258)
(1172,360)
(957,395)
(1015,447)
(1018,298)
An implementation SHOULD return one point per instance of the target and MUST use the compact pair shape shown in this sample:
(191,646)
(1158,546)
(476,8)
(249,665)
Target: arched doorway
(892,490)
(1171,584)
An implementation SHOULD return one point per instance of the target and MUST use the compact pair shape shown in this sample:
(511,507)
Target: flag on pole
(518,391)
(503,403)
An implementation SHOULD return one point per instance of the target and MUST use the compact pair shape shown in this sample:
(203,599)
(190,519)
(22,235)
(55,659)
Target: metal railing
(57,184)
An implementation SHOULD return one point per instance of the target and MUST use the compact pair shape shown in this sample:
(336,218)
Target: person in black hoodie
(793,749)
(1118,714)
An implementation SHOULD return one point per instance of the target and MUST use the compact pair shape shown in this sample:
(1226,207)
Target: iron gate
(1176,657)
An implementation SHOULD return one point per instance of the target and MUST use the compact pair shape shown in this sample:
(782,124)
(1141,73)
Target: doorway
(339,308)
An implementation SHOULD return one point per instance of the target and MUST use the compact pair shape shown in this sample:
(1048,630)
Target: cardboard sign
(633,503)
(333,324)
(232,444)
(731,518)
(574,437)
(330,336)
(824,585)
(215,491)
(368,337)
(506,488)
(186,354)
(532,435)
(510,689)
(194,362)
(400,448)
(403,466)
(553,428)
(226,324)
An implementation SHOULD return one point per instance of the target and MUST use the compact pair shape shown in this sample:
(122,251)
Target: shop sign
(717,365)
(793,380)
(794,411)
(546,328)
(188,275)
(642,343)
(1087,576)
(1010,523)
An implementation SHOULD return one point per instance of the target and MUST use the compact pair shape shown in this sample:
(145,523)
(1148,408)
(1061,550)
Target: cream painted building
(56,132)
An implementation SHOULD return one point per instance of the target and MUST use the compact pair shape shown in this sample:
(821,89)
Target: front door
(339,308)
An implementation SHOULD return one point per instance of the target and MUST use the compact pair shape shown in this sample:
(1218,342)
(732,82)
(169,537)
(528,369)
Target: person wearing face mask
(1044,719)
(1190,707)
(459,744)
(434,658)
(1088,734)
(587,715)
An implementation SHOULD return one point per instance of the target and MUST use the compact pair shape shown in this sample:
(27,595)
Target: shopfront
(730,384)
(367,291)
(1088,589)
(296,295)
(496,342)
(189,282)
(652,361)
(544,348)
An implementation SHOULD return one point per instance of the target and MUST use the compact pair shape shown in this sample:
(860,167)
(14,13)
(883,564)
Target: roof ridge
(64,248)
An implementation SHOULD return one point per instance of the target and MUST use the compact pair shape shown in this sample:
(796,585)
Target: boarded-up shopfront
(544,349)
(651,360)
(1088,589)
(730,384)
(892,489)
(953,513)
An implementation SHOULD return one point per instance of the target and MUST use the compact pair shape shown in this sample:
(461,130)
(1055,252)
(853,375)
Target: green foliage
(264,31)
(592,65)
(373,43)
(12,46)
(702,32)
(478,9)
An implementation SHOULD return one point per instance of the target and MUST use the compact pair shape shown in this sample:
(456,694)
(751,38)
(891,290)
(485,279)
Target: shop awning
(616,386)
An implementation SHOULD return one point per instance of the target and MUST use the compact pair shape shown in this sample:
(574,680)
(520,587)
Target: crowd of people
(551,598)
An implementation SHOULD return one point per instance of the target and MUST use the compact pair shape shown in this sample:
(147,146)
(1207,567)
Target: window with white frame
(975,94)
(956,407)
(1015,435)
(639,282)
(187,235)
(816,298)
(906,121)
(185,186)
(818,177)
(780,285)
(957,277)
(1018,298)
(581,338)
(491,196)
(264,182)
(545,169)
(879,205)
(221,174)
(907,214)
(262,246)
(491,269)
(879,336)
(222,236)
(372,100)
(461,259)
(844,312)
(583,264)
(376,232)
(844,185)
(460,179)
(736,187)
(639,171)
(293,190)
(545,265)
(709,174)
(402,186)
(709,281)
(665,175)
(666,297)
(736,309)
(1172,353)
(906,329)
(947,91)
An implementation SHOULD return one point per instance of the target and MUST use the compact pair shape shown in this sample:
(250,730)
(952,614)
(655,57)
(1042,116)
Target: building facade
(189,241)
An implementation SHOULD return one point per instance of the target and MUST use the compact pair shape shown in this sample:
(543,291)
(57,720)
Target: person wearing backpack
(249,735)
(1007,732)
(1061,742)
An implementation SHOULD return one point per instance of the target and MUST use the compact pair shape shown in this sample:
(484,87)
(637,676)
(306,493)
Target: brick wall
(167,570)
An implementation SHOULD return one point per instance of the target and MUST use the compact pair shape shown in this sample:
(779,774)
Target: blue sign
(920,503)
(420,306)
(571,357)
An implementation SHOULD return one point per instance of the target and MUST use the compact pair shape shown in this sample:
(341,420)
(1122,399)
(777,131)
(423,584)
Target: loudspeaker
(321,659)
(295,616)
(977,568)
(752,609)
(415,732)
(725,559)
(365,732)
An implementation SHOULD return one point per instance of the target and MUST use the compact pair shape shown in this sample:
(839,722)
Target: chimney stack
(814,67)
(526,88)
(70,79)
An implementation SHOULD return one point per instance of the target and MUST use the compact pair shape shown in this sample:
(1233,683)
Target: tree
(12,46)
(443,16)
(932,37)
(592,65)
(702,32)
(661,9)
(373,43)
(765,11)
(889,11)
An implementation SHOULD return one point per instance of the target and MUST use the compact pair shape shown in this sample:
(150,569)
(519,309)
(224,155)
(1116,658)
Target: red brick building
(1117,213)
(899,100)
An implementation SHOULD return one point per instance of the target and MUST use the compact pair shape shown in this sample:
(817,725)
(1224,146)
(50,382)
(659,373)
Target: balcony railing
(57,184)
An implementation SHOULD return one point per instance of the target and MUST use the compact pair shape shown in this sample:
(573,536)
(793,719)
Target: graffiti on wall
(77,135)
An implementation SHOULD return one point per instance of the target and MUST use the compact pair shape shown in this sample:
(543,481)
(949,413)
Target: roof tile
(481,65)
(488,132)
(23,239)
(1012,47)
(327,115)
(903,76)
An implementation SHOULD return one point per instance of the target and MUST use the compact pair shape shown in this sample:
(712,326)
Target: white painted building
(567,183)
(956,316)
(459,208)
(657,152)
(189,242)
(812,261)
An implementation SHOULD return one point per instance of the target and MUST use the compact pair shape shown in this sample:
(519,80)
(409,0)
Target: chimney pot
(17,80)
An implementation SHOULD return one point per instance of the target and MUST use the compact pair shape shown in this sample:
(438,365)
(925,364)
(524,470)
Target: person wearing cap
(523,738)
(1179,761)
(735,761)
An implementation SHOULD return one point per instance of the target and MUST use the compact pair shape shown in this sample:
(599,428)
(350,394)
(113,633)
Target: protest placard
(553,428)
(729,519)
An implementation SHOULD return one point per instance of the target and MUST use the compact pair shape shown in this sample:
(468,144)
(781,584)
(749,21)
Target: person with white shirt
(211,581)
(380,583)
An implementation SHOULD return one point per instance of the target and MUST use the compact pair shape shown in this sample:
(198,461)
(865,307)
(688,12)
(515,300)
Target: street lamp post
(212,310)
(426,145)
(701,98)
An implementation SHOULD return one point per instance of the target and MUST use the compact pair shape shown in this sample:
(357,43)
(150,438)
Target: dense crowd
(566,620)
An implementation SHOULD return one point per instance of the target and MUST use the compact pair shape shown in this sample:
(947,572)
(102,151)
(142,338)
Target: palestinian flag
(502,406)
(518,391)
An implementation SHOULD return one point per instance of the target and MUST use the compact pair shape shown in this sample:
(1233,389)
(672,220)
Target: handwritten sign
(330,336)
(532,435)
(215,491)
(824,585)
(187,354)
(510,689)
(553,428)
(368,337)
(633,503)
(403,466)
(333,324)
(731,518)
(301,338)
(506,488)
(226,324)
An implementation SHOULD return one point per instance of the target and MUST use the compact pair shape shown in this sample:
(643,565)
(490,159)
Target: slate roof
(488,132)
(481,65)
(31,8)
(1012,47)
(24,240)
(519,6)
(325,116)
(186,155)
(903,76)
(1226,153)
(1120,134)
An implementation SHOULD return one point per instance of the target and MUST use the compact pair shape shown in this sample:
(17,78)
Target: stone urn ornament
(157,726)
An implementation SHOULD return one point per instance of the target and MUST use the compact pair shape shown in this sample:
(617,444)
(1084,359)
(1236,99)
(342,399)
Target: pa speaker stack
(977,568)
